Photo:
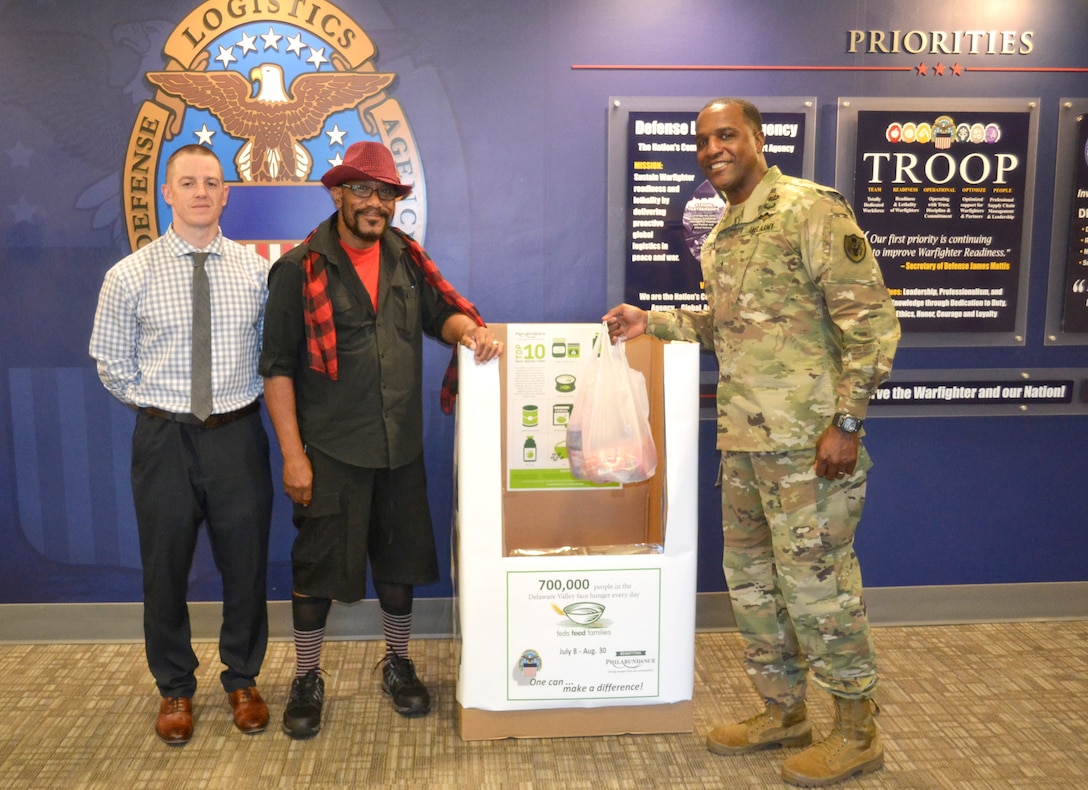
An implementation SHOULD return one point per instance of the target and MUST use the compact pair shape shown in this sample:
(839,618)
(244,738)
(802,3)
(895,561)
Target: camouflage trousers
(793,576)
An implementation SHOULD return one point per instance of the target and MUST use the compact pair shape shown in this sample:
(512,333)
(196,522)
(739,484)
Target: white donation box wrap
(575,602)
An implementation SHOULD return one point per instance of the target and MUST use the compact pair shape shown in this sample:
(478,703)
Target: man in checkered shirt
(188,470)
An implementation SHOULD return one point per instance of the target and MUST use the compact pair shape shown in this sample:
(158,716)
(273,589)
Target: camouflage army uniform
(803,327)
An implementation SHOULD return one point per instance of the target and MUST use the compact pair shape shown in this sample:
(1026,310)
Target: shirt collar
(749,210)
(327,241)
(180,248)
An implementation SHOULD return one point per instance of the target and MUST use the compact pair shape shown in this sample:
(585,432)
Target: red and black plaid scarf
(321,332)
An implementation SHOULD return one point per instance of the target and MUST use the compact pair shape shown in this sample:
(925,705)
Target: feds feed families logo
(278,91)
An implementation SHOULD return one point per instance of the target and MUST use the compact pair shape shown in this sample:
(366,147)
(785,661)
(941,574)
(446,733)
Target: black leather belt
(214,421)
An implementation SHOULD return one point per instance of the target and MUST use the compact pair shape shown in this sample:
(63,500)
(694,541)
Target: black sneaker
(407,691)
(302,716)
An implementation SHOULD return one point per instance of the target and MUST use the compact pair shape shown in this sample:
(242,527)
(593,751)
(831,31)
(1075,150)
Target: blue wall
(513,143)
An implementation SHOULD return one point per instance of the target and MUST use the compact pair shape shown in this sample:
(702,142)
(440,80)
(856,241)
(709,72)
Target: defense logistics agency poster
(671,207)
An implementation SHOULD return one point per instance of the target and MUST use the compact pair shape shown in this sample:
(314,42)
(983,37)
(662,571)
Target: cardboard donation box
(575,601)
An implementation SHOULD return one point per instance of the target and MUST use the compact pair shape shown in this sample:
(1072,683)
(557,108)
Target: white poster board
(544,368)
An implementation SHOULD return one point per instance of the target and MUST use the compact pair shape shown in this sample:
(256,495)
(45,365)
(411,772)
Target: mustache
(370,211)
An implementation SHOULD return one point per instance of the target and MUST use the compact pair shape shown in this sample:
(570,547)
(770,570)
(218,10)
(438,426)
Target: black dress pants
(184,476)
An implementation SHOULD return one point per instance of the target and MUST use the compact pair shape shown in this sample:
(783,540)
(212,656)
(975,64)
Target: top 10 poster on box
(941,195)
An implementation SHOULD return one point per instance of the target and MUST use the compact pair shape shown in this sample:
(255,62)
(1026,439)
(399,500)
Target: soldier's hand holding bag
(608,435)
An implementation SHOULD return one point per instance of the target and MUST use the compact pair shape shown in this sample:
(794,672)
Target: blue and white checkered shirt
(142,337)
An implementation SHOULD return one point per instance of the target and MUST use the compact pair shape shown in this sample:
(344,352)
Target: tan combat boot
(777,725)
(852,747)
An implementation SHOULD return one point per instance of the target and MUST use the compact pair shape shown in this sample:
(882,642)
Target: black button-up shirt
(372,416)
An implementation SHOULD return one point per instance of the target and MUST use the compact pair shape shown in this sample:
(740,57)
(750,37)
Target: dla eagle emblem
(273,121)
(278,95)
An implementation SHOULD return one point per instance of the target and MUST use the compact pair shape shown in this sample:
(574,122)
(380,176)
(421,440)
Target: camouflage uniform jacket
(798,316)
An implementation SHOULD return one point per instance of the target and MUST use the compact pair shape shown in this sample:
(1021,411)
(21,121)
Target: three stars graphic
(955,70)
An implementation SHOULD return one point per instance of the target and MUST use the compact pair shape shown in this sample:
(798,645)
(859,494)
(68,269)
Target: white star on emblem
(204,135)
(271,39)
(317,58)
(294,44)
(247,44)
(20,155)
(336,136)
(336,161)
(226,55)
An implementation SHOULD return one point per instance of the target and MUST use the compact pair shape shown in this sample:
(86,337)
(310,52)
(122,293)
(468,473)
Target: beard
(366,224)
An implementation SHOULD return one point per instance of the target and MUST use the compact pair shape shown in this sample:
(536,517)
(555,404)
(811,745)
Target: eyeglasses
(365,190)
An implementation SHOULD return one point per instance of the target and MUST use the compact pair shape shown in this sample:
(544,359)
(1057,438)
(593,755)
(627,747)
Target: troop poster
(942,197)
(671,207)
(1075,309)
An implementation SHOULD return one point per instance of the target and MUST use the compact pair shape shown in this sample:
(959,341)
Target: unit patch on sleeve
(854,247)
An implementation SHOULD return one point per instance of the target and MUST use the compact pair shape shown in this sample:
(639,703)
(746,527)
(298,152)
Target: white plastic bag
(608,435)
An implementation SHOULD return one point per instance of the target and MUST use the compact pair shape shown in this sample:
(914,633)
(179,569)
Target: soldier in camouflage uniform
(804,331)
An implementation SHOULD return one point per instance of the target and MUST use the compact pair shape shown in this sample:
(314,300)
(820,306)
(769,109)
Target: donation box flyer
(585,634)
(544,371)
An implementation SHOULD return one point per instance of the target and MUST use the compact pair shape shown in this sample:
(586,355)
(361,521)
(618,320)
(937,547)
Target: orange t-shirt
(366,263)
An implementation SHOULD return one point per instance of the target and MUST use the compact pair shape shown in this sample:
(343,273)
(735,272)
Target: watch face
(848,423)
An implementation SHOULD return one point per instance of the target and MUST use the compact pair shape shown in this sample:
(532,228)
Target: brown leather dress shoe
(250,711)
(175,722)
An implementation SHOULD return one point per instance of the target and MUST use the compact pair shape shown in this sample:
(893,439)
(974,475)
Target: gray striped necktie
(201,384)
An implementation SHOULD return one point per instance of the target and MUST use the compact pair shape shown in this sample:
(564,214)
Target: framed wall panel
(1067,297)
(944,189)
(660,207)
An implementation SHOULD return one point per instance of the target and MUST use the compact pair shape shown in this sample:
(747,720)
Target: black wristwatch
(847,423)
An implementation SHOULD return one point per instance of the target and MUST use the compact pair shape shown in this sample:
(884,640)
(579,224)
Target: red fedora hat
(367,161)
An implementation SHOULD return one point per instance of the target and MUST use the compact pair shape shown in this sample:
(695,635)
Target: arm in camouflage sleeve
(690,325)
(858,304)
(629,321)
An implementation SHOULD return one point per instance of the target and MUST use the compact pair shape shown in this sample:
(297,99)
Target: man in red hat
(342,360)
